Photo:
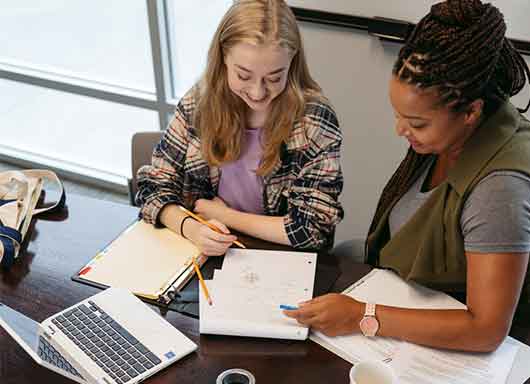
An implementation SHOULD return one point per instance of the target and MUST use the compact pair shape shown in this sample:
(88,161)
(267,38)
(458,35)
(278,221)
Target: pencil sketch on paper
(249,289)
(250,277)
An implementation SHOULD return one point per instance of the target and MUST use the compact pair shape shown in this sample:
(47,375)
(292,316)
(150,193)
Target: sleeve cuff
(150,211)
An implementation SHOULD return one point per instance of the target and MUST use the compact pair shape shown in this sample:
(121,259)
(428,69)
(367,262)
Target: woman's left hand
(332,314)
(211,209)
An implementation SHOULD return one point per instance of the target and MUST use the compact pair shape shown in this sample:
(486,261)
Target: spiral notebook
(153,263)
(249,289)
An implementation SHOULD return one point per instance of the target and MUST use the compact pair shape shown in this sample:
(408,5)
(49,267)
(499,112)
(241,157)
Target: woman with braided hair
(455,216)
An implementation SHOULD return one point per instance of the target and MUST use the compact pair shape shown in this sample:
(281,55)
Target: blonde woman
(254,146)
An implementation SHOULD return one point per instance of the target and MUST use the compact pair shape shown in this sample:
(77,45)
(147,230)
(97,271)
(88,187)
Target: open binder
(153,263)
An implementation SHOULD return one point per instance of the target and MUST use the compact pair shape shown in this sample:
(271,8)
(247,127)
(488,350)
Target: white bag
(19,194)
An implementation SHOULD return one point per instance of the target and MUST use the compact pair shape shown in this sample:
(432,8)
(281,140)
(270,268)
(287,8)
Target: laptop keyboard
(49,354)
(106,342)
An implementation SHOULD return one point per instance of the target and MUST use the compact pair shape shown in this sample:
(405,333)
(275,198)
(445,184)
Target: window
(100,40)
(78,78)
(80,134)
(191,28)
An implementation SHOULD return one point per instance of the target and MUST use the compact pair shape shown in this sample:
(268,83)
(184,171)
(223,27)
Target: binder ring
(236,376)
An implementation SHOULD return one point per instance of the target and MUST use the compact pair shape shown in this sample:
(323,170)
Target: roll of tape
(236,376)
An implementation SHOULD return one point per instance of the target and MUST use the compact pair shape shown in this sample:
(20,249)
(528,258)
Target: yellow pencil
(210,225)
(201,281)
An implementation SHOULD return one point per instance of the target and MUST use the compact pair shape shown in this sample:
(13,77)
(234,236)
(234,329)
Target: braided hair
(459,48)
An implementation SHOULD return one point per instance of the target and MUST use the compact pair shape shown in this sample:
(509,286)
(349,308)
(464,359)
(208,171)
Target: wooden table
(39,285)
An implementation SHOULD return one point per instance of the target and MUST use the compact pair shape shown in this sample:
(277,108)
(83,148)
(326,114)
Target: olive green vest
(429,248)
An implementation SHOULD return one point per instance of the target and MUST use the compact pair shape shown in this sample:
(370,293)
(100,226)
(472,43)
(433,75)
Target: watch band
(370,309)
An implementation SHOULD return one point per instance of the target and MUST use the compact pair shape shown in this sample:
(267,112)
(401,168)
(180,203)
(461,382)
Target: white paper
(248,291)
(232,313)
(291,269)
(387,288)
(355,348)
(416,364)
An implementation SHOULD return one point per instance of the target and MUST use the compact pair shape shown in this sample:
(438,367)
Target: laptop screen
(21,328)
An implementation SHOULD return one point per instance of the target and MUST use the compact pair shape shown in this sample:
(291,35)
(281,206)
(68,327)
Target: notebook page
(249,289)
(255,315)
(143,259)
(270,266)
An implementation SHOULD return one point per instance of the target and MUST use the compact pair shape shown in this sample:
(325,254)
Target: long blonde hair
(221,115)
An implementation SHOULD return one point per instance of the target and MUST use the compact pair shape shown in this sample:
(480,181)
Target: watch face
(369,325)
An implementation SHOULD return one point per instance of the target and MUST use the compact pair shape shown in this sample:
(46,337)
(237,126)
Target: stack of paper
(415,364)
(249,289)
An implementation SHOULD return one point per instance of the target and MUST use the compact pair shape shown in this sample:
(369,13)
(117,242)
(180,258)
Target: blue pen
(288,307)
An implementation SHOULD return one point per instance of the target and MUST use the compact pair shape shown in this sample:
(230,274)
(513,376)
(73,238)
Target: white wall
(515,11)
(354,68)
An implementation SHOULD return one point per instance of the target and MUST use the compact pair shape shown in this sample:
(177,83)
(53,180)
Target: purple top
(239,186)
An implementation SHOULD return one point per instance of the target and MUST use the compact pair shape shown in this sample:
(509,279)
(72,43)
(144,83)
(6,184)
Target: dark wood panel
(384,28)
(39,285)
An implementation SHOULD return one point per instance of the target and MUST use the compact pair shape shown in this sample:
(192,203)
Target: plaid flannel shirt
(303,187)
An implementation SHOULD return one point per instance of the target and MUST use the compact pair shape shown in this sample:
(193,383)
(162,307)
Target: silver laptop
(111,337)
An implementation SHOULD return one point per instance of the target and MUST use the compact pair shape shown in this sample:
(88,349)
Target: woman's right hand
(210,242)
